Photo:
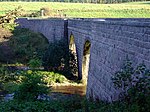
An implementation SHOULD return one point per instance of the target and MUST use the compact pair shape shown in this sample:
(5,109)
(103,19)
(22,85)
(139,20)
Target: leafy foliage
(28,45)
(73,104)
(6,75)
(25,47)
(7,25)
(29,106)
(11,77)
(35,63)
(30,87)
(32,84)
(51,78)
(57,58)
(135,85)
(8,21)
(8,79)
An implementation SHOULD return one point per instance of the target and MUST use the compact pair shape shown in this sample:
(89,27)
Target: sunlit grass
(124,10)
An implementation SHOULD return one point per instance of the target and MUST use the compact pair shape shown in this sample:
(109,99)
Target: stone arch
(73,63)
(85,61)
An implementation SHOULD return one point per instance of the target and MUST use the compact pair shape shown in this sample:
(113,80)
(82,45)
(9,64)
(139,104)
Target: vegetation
(69,105)
(22,45)
(27,85)
(28,48)
(135,86)
(51,78)
(7,21)
(134,83)
(30,87)
(11,80)
(78,10)
(28,45)
(57,59)
(25,46)
(72,104)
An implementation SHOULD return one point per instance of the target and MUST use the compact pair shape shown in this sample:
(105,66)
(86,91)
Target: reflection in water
(81,90)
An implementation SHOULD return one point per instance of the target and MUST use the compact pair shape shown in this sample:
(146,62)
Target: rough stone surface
(53,29)
(112,40)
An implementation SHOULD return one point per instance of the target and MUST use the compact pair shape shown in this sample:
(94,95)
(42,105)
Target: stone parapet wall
(52,29)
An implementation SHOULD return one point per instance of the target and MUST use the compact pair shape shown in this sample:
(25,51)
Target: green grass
(124,10)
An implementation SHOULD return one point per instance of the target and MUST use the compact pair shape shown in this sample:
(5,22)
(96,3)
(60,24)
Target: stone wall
(52,29)
(112,40)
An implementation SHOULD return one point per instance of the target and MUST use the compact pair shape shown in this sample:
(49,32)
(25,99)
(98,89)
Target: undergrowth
(134,84)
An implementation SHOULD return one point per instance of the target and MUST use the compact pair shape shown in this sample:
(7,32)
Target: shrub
(135,85)
(30,106)
(23,46)
(51,77)
(69,104)
(8,21)
(35,63)
(57,58)
(10,87)
(6,75)
(8,79)
(73,104)
(30,87)
(28,45)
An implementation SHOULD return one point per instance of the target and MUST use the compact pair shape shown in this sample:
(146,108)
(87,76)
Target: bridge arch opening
(85,61)
(72,45)
(73,57)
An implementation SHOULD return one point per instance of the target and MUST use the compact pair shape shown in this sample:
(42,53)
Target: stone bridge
(101,46)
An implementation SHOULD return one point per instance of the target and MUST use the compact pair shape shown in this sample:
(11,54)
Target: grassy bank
(124,10)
